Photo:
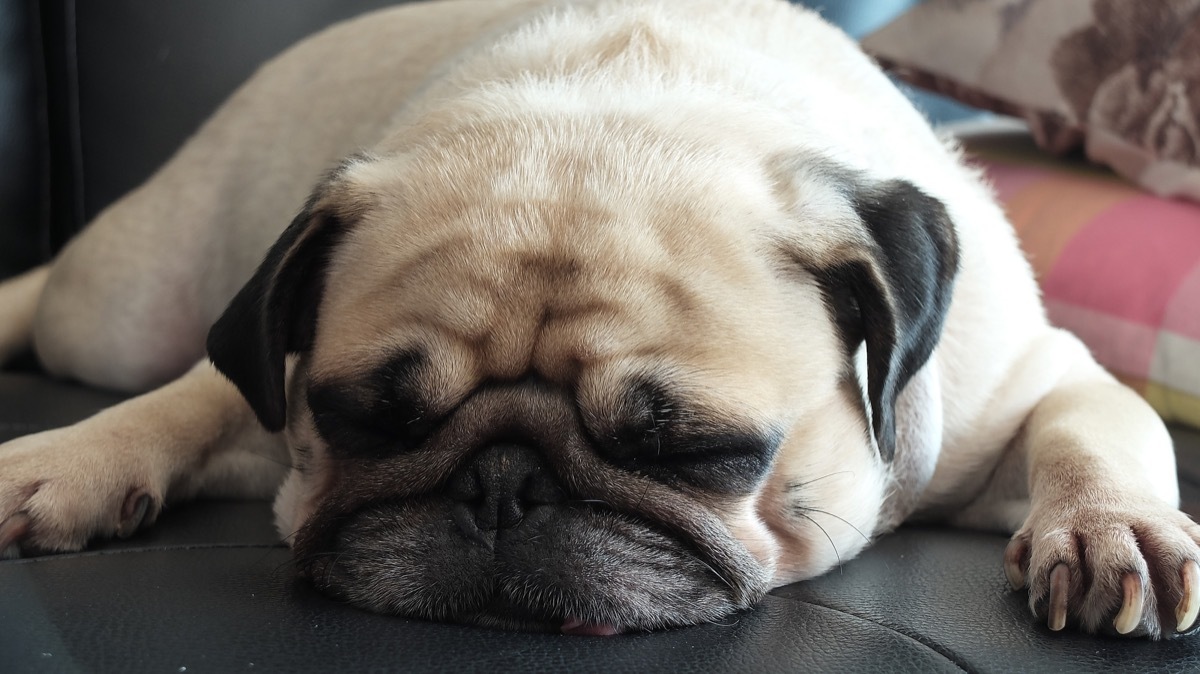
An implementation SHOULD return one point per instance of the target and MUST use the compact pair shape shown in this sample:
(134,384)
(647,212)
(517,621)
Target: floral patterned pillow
(1119,77)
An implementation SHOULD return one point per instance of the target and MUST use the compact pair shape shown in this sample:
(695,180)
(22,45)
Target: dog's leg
(18,303)
(111,473)
(120,316)
(1103,545)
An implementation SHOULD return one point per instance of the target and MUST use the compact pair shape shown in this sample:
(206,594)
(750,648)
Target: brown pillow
(1120,77)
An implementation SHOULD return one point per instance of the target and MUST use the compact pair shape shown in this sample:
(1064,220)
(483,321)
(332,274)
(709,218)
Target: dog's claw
(1014,554)
(1060,583)
(12,531)
(1117,568)
(134,513)
(1130,615)
(1189,604)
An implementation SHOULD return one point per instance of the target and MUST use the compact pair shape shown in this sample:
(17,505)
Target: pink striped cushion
(1117,266)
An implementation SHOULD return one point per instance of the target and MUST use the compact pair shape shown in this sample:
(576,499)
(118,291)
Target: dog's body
(684,291)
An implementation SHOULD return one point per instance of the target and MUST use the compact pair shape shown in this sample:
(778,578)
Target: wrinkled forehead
(465,259)
(561,281)
(506,312)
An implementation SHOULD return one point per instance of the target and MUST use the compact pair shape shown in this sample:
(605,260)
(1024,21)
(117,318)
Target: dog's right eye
(377,413)
(353,429)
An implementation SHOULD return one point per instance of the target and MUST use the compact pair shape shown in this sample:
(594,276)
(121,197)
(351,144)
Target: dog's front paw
(61,488)
(1125,567)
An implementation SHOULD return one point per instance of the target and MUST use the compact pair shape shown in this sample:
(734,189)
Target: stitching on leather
(937,648)
(122,551)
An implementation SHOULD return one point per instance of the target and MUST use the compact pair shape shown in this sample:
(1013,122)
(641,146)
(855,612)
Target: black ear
(274,314)
(902,286)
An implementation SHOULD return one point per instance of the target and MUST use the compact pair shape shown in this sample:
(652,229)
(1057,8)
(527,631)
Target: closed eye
(372,428)
(658,437)
(643,416)
(375,414)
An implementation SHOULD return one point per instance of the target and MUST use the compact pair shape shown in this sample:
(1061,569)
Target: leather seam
(124,551)
(950,656)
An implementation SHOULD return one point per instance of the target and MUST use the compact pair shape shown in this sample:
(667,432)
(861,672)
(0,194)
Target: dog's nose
(501,483)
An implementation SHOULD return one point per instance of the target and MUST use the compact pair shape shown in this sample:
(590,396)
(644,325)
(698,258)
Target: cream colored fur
(1011,425)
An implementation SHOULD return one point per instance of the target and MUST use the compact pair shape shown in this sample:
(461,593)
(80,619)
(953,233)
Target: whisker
(272,459)
(831,543)
(714,572)
(801,485)
(642,498)
(330,567)
(844,521)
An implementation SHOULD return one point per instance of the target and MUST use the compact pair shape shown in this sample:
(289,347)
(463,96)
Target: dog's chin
(574,569)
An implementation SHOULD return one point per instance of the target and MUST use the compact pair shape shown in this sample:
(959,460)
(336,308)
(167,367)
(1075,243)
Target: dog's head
(553,375)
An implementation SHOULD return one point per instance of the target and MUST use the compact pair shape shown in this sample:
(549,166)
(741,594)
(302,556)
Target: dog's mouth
(573,568)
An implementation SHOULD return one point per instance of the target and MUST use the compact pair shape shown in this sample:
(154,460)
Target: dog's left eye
(381,428)
(658,440)
(639,438)
(709,458)
(372,434)
(645,416)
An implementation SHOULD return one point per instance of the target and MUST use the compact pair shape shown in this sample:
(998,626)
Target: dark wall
(96,94)
(23,169)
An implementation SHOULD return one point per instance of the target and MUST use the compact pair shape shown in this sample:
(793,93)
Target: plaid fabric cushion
(1117,266)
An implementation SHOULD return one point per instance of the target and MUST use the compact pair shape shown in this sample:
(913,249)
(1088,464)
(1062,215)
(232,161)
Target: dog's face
(553,376)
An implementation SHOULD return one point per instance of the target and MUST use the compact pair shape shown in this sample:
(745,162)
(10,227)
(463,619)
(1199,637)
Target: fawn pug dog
(614,315)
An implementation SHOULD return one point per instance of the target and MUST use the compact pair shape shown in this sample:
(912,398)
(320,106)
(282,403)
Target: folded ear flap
(274,314)
(902,283)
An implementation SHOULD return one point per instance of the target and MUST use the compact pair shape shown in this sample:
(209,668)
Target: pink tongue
(583,628)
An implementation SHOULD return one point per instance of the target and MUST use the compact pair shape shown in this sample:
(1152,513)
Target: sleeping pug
(614,315)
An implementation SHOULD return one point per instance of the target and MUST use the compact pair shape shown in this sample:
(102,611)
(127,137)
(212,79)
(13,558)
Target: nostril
(464,486)
(499,485)
(499,513)
(464,517)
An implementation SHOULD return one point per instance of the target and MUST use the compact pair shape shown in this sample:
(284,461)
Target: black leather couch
(93,96)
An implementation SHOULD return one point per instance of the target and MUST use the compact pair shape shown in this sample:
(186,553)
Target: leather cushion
(235,608)
(209,588)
